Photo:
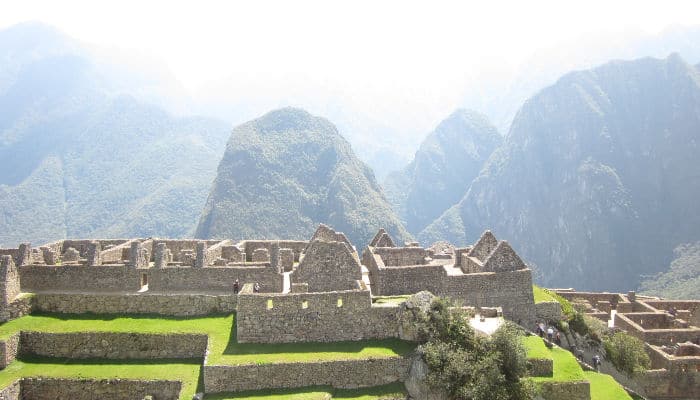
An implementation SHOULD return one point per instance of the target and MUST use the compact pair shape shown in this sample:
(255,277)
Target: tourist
(236,286)
(557,338)
(596,362)
(550,333)
(256,288)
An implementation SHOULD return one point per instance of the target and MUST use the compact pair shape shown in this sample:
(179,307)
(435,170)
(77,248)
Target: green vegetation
(447,161)
(542,295)
(627,353)
(224,348)
(391,391)
(390,300)
(681,280)
(604,387)
(566,368)
(291,154)
(468,366)
(186,372)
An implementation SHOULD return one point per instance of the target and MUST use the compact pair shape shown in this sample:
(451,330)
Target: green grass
(186,371)
(604,387)
(541,295)
(390,300)
(566,367)
(393,390)
(224,350)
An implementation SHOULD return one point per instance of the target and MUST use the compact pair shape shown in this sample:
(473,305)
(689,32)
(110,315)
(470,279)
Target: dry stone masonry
(321,290)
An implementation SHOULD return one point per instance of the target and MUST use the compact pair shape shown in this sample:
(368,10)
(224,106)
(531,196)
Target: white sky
(368,43)
(396,64)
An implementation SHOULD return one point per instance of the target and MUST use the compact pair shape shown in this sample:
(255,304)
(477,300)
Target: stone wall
(667,385)
(656,336)
(8,350)
(540,367)
(565,390)
(37,278)
(339,374)
(125,278)
(22,305)
(88,389)
(401,256)
(135,303)
(249,246)
(394,281)
(512,291)
(328,266)
(212,278)
(9,280)
(548,311)
(112,345)
(312,317)
(12,391)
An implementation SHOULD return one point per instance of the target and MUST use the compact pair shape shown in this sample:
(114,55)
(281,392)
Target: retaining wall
(135,303)
(566,390)
(110,345)
(87,389)
(339,374)
(8,350)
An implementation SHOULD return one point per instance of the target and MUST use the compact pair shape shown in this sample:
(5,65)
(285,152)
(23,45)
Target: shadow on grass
(308,391)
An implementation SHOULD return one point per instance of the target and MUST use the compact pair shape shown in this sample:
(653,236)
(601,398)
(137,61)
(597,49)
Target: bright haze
(385,72)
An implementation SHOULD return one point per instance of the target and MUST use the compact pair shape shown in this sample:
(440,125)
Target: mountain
(598,179)
(447,161)
(81,158)
(287,171)
(682,280)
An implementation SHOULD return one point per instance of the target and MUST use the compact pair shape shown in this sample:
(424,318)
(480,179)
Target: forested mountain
(287,171)
(447,161)
(82,160)
(682,280)
(598,179)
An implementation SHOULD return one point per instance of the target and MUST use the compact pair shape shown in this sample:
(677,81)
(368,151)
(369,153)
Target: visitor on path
(256,288)
(557,339)
(236,286)
(538,329)
(596,362)
(550,333)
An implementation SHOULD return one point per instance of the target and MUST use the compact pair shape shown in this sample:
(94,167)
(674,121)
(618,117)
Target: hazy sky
(368,43)
(397,64)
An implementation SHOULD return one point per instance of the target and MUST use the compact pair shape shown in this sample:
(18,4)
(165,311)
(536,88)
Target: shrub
(468,366)
(626,353)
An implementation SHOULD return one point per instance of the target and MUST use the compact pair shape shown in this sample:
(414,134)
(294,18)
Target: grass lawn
(389,300)
(224,349)
(185,371)
(393,390)
(541,295)
(566,368)
(604,387)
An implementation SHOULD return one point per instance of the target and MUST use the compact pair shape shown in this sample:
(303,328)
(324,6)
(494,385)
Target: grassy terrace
(186,372)
(224,349)
(566,368)
(541,295)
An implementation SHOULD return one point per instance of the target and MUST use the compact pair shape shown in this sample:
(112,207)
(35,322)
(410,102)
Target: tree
(468,366)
